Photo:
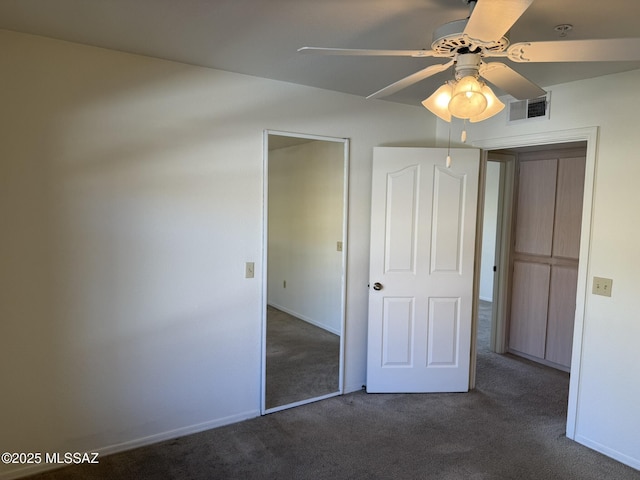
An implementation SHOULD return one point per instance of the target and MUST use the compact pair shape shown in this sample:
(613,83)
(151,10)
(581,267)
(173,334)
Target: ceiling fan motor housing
(467,64)
(449,39)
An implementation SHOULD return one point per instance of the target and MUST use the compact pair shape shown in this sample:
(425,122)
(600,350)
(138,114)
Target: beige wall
(607,387)
(490,221)
(306,211)
(131,197)
(130,200)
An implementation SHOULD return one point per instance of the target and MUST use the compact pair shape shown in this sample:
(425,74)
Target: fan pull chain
(463,136)
(449,149)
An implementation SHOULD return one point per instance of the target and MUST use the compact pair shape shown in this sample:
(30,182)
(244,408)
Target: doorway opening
(543,210)
(494,194)
(305,218)
(493,322)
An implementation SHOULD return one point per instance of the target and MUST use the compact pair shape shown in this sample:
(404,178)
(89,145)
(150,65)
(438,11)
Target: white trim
(609,452)
(502,275)
(304,318)
(477,263)
(136,443)
(321,138)
(542,138)
(590,134)
(355,387)
(265,211)
(265,236)
(345,262)
(301,402)
(179,432)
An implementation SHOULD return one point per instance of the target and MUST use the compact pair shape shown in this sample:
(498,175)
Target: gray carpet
(511,427)
(484,326)
(302,360)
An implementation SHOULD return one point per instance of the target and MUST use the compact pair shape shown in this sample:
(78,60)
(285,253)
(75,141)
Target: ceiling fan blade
(608,50)
(366,52)
(491,19)
(411,79)
(507,79)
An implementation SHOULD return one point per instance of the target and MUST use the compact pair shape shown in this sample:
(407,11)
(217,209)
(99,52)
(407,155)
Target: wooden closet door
(568,215)
(565,254)
(545,254)
(529,308)
(533,245)
(562,309)
(536,206)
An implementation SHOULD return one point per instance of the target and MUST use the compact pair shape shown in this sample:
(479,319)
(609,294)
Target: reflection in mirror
(306,191)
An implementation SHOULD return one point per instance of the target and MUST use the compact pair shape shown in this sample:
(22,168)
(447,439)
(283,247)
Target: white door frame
(343,287)
(503,240)
(590,135)
(501,260)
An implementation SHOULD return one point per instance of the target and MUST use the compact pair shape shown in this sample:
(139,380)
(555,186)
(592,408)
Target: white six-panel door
(423,225)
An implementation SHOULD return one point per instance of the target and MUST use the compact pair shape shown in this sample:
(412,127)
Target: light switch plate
(249,270)
(602,286)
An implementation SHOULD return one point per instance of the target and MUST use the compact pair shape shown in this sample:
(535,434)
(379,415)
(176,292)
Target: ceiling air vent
(529,109)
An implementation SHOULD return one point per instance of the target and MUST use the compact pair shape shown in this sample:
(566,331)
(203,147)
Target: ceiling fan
(484,34)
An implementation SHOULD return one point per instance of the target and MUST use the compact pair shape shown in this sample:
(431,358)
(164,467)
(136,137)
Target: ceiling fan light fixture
(438,102)
(467,100)
(494,105)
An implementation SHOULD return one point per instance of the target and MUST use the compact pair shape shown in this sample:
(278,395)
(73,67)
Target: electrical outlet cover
(602,286)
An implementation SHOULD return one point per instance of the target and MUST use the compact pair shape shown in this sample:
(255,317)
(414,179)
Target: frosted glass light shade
(494,105)
(467,100)
(438,102)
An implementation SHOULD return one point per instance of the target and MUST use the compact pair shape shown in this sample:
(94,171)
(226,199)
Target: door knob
(377,286)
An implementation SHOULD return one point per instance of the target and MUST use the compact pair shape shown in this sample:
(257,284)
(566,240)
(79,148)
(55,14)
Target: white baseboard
(609,452)
(139,442)
(305,318)
(355,387)
(179,432)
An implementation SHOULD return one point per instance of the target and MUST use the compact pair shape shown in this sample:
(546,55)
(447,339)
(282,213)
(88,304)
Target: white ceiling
(260,37)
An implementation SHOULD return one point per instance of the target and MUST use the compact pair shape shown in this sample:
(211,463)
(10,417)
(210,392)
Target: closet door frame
(590,135)
(536,254)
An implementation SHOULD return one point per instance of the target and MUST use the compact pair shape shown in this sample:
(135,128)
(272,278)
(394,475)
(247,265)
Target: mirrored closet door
(305,245)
